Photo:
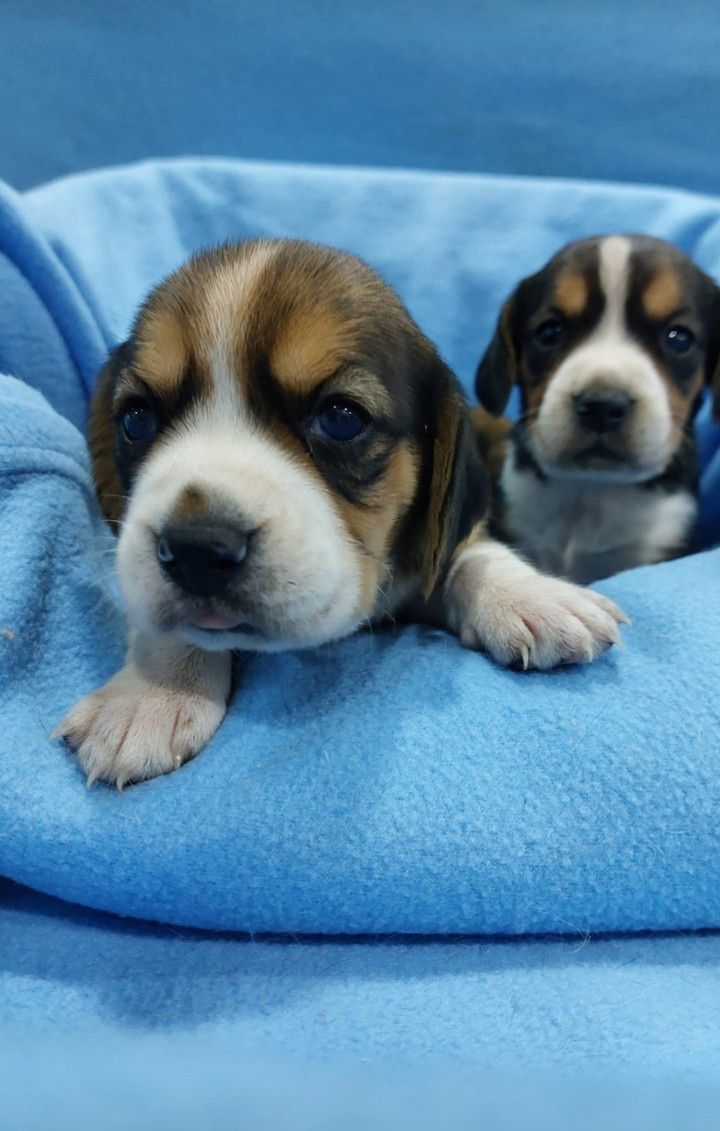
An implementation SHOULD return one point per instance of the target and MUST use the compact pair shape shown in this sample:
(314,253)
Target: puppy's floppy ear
(459,484)
(498,368)
(101,435)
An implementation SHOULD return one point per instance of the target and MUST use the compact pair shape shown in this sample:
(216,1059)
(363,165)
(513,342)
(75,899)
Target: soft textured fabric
(621,1007)
(340,795)
(391,782)
(617,90)
(47,335)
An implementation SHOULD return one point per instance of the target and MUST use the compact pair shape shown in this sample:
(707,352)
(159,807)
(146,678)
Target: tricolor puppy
(611,344)
(287,458)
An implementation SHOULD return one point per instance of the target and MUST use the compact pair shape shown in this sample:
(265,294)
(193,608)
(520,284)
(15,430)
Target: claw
(121,781)
(525,656)
(58,731)
(90,780)
(616,638)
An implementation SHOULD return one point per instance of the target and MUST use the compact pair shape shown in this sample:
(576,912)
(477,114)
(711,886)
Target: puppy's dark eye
(139,423)
(340,419)
(679,339)
(549,333)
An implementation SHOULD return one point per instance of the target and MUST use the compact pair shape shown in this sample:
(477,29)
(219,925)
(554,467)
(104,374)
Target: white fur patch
(613,270)
(308,583)
(501,605)
(159,711)
(586,531)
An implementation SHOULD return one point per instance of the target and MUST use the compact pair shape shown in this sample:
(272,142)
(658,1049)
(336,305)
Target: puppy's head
(280,445)
(610,343)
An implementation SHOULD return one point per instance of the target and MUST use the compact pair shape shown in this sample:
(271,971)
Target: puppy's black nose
(602,411)
(202,560)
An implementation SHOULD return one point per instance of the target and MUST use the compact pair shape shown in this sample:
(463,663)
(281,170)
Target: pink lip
(214,622)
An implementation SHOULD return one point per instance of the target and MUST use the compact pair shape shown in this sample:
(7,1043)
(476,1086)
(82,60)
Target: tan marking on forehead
(310,346)
(571,293)
(663,294)
(161,354)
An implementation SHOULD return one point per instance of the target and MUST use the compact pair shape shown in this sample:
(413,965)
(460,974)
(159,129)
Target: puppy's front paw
(522,617)
(133,729)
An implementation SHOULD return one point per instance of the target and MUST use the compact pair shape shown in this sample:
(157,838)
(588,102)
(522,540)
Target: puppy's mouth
(601,463)
(600,455)
(217,623)
(212,628)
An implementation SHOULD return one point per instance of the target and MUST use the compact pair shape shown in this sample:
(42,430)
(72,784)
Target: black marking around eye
(534,307)
(350,468)
(168,410)
(353,470)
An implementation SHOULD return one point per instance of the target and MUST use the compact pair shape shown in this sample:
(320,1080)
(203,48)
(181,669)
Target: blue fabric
(47,336)
(339,796)
(620,1007)
(613,90)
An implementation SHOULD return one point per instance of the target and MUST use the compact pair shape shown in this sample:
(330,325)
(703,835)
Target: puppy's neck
(585,530)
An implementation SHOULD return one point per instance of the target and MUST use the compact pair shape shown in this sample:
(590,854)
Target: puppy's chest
(589,531)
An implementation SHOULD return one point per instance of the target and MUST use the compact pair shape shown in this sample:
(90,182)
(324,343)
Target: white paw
(133,729)
(522,617)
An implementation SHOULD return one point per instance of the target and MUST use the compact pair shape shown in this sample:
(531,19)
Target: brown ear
(101,436)
(498,367)
(459,486)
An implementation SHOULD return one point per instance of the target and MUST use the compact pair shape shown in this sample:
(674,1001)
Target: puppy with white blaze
(286,458)
(611,345)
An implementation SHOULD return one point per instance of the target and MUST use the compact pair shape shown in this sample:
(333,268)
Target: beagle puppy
(286,458)
(611,344)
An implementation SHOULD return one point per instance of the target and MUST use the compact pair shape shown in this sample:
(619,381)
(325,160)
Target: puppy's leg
(159,711)
(498,603)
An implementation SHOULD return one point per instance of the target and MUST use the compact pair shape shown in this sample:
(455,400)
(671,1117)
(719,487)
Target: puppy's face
(611,344)
(267,440)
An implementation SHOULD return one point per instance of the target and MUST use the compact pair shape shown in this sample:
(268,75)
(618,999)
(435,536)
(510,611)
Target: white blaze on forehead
(613,267)
(228,300)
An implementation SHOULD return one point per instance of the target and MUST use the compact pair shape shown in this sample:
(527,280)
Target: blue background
(613,90)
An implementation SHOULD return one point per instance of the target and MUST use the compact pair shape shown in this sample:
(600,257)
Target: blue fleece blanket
(393,782)
(127,1024)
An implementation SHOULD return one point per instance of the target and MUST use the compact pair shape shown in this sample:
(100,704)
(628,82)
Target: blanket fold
(393,782)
